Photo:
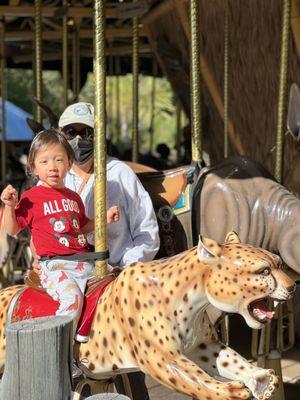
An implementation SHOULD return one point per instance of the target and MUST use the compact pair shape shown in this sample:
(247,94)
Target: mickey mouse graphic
(59,225)
(64,240)
(81,239)
(74,221)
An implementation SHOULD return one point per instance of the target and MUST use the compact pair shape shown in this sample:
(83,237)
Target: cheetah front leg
(174,370)
(219,359)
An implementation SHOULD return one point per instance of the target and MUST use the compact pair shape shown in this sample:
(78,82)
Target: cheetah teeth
(275,303)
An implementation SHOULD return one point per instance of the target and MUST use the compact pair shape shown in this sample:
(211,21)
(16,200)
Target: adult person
(135,237)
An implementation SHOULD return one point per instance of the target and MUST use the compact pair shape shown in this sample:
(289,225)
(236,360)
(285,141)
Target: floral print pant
(65,281)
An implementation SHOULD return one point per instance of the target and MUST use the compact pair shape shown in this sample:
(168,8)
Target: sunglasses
(85,133)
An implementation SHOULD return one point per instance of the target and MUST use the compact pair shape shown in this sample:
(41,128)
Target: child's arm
(113,215)
(9,196)
(88,227)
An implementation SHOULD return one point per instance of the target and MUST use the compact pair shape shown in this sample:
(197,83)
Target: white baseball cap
(78,113)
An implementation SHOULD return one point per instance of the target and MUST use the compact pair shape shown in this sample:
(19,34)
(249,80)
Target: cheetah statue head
(240,278)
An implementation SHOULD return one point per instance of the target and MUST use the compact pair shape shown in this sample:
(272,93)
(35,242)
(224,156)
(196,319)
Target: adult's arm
(142,220)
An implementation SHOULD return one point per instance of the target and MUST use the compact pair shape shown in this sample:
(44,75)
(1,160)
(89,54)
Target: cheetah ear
(208,251)
(232,238)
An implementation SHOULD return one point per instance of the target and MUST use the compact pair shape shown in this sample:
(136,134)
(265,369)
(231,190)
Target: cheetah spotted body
(148,319)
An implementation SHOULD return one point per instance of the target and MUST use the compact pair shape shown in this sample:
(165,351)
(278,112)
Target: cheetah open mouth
(259,310)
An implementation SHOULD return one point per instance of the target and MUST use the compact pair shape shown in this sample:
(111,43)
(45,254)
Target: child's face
(51,165)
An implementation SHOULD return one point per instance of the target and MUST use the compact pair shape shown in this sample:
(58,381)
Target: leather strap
(99,255)
(83,183)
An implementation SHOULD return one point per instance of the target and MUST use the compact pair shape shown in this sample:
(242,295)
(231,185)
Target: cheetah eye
(264,271)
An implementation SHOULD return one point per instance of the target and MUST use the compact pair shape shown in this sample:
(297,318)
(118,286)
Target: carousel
(226,272)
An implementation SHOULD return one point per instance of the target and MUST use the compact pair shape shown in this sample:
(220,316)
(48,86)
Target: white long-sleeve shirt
(135,236)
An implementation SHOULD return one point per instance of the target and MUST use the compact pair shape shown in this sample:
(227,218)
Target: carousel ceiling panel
(18,16)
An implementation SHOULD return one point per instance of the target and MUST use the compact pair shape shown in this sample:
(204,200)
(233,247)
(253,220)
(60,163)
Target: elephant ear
(232,238)
(53,118)
(35,126)
(208,250)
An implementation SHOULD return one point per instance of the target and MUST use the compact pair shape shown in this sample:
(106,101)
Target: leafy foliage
(163,123)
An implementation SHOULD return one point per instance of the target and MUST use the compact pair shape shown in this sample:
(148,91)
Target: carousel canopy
(16,125)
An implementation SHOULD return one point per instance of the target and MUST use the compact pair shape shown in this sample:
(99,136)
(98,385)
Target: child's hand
(113,214)
(9,196)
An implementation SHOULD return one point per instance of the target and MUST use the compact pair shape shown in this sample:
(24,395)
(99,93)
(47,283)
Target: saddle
(34,302)
(171,192)
(165,187)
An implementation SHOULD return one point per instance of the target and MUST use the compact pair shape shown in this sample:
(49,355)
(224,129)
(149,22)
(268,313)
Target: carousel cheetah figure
(149,318)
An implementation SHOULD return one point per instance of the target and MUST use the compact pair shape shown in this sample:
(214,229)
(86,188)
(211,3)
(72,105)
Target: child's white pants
(65,281)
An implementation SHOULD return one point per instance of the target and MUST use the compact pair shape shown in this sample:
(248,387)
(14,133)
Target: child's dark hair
(48,136)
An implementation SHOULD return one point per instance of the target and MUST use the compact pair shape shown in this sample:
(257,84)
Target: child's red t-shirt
(55,218)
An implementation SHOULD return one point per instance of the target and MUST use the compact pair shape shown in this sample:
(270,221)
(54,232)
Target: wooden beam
(12,3)
(158,11)
(209,79)
(23,36)
(48,11)
(118,50)
(49,22)
(295,24)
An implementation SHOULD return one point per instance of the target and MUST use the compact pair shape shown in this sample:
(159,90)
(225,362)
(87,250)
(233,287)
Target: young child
(56,218)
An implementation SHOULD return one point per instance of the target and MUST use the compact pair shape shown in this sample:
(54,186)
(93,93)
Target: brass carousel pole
(273,358)
(196,123)
(118,112)
(65,55)
(76,62)
(100,137)
(226,73)
(281,113)
(38,84)
(178,129)
(135,89)
(153,96)
(3,102)
(110,94)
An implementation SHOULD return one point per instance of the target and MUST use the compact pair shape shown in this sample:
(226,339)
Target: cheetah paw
(263,383)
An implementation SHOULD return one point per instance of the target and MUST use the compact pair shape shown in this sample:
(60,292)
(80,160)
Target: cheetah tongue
(260,310)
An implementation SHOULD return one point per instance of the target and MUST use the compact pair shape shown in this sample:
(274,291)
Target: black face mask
(83,149)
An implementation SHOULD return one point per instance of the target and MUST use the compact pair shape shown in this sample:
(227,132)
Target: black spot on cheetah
(137,304)
(131,321)
(104,342)
(225,364)
(91,367)
(173,380)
